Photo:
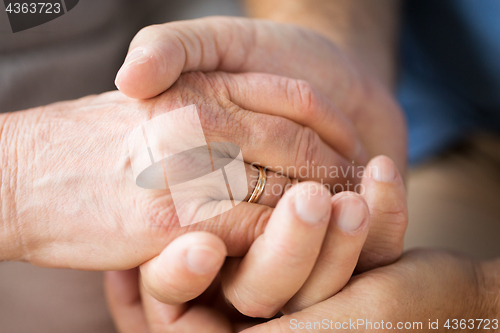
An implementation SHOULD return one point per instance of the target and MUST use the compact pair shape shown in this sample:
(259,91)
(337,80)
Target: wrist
(10,236)
(366,31)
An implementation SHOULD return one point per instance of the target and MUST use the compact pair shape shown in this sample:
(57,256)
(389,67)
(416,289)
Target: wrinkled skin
(250,45)
(74,200)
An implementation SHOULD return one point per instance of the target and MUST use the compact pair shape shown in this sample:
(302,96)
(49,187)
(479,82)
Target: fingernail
(382,169)
(134,56)
(350,215)
(312,203)
(203,259)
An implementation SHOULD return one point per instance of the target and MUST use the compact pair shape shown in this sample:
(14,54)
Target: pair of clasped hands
(287,97)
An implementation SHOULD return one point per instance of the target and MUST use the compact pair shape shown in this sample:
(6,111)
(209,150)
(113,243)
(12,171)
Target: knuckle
(307,147)
(220,121)
(388,245)
(304,98)
(219,117)
(394,215)
(190,88)
(382,253)
(263,130)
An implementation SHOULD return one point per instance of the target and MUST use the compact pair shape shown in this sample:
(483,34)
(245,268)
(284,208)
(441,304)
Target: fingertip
(346,234)
(185,268)
(312,202)
(200,253)
(207,256)
(382,169)
(139,79)
(145,72)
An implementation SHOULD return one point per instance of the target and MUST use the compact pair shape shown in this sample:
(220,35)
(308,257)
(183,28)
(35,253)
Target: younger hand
(265,279)
(423,287)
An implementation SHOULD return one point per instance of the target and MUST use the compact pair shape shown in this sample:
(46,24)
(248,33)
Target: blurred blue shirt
(450,72)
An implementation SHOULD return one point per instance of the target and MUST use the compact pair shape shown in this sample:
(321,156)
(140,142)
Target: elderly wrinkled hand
(68,195)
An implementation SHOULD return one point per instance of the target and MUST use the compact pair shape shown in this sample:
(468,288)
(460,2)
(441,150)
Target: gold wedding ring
(259,188)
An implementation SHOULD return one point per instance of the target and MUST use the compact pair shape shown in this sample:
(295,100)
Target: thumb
(158,54)
(185,268)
